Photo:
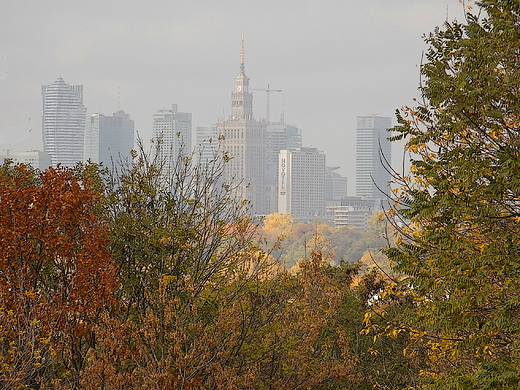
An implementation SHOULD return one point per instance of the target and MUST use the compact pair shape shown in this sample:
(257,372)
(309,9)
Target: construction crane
(268,90)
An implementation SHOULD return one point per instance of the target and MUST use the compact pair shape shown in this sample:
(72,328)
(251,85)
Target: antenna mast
(242,52)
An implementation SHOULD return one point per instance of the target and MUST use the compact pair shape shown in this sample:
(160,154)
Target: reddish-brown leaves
(53,246)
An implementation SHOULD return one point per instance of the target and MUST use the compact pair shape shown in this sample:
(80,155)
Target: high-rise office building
(207,143)
(172,130)
(243,138)
(108,139)
(301,183)
(279,136)
(335,185)
(63,122)
(373,150)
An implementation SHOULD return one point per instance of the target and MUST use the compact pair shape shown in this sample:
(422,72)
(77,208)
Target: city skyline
(333,62)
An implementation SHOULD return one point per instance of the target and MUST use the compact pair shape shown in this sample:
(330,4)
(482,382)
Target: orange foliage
(53,249)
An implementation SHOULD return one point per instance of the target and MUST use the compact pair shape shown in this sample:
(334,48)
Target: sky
(334,60)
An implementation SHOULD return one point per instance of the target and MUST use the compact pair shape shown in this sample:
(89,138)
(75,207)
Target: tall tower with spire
(243,138)
(241,98)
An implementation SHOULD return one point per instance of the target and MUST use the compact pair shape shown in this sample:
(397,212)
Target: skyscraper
(279,136)
(244,141)
(207,143)
(301,183)
(109,138)
(335,185)
(173,130)
(372,148)
(63,122)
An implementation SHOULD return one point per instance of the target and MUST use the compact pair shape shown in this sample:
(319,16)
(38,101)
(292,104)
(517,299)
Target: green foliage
(460,246)
(201,305)
(183,223)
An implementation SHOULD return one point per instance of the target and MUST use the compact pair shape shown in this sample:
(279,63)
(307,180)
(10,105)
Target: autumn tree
(180,220)
(289,240)
(274,332)
(56,274)
(459,247)
(182,240)
(202,306)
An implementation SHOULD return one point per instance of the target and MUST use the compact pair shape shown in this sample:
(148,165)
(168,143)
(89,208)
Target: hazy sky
(333,59)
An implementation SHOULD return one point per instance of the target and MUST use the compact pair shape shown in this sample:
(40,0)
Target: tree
(56,274)
(273,332)
(458,212)
(182,241)
(202,306)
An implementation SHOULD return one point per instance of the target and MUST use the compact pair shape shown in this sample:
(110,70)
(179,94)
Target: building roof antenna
(242,52)
(282,117)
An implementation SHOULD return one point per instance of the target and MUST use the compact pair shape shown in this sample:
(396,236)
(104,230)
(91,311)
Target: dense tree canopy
(458,212)
(56,274)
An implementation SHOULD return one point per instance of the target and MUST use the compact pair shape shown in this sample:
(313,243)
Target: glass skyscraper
(108,139)
(373,150)
(63,122)
(172,130)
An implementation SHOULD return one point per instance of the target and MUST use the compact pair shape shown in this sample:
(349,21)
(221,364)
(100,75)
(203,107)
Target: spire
(241,98)
(242,52)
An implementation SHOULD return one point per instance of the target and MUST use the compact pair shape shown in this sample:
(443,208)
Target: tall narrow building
(372,149)
(108,139)
(63,122)
(243,138)
(301,183)
(172,129)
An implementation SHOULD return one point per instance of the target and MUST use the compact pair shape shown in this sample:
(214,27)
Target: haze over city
(333,61)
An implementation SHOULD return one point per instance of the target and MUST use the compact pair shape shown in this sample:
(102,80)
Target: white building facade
(172,131)
(63,122)
(35,158)
(206,143)
(301,183)
(279,136)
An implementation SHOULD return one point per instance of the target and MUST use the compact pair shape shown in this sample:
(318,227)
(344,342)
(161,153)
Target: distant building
(109,138)
(206,143)
(35,158)
(351,211)
(172,130)
(278,137)
(243,138)
(63,122)
(372,147)
(301,183)
(335,185)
